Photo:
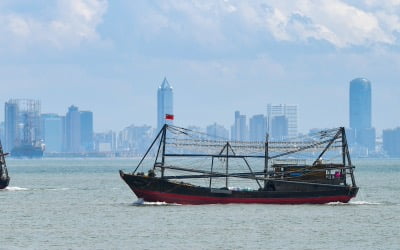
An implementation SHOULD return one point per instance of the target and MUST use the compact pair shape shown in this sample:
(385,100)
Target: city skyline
(220,56)
(73,133)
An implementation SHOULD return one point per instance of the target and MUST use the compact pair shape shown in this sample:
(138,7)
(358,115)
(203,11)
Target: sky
(219,56)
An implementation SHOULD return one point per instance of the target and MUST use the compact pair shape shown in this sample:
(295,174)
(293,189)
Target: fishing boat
(187,167)
(4,178)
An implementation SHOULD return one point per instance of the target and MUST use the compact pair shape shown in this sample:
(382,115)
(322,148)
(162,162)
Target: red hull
(153,196)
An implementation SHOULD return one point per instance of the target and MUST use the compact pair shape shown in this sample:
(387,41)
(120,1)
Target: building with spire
(164,104)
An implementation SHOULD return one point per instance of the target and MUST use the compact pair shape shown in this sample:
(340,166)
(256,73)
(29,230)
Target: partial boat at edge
(4,178)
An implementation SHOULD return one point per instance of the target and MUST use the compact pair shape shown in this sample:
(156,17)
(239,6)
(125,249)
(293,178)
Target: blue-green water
(83,204)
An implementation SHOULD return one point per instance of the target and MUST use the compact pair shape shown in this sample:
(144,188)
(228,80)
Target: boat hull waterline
(4,183)
(153,189)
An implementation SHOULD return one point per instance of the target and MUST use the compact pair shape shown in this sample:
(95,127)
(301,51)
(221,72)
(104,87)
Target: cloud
(68,24)
(224,23)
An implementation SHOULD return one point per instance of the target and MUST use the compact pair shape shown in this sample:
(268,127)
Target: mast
(163,139)
(212,166)
(266,160)
(151,146)
(344,142)
(346,153)
(226,165)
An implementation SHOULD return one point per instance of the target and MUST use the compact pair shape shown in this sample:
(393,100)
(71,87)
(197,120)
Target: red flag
(169,117)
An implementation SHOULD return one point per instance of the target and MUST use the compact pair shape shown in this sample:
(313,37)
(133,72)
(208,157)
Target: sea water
(83,204)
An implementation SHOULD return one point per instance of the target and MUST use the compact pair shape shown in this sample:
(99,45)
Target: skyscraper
(360,103)
(10,125)
(289,111)
(360,113)
(22,123)
(239,128)
(53,131)
(86,130)
(2,133)
(391,141)
(73,129)
(217,131)
(164,103)
(258,128)
(279,127)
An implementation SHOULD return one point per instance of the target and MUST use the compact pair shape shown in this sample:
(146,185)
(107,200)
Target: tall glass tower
(164,103)
(360,113)
(73,130)
(360,103)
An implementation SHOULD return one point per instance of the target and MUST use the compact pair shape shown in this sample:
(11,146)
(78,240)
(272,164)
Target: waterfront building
(287,110)
(239,128)
(164,104)
(391,142)
(73,130)
(53,132)
(258,128)
(360,114)
(86,125)
(217,131)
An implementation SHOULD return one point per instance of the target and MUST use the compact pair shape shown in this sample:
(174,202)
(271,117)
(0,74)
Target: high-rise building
(164,104)
(105,142)
(2,133)
(258,128)
(360,113)
(86,131)
(135,139)
(217,131)
(279,127)
(360,103)
(22,123)
(10,125)
(239,131)
(73,130)
(53,132)
(289,111)
(391,142)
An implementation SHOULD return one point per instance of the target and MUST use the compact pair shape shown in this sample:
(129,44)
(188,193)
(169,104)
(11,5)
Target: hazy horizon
(110,57)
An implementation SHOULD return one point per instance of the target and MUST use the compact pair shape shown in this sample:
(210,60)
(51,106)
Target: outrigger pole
(331,141)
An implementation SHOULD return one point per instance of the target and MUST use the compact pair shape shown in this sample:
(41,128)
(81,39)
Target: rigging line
(298,150)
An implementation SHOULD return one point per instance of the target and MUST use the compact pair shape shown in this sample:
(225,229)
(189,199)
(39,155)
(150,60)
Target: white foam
(337,203)
(364,203)
(141,202)
(16,189)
